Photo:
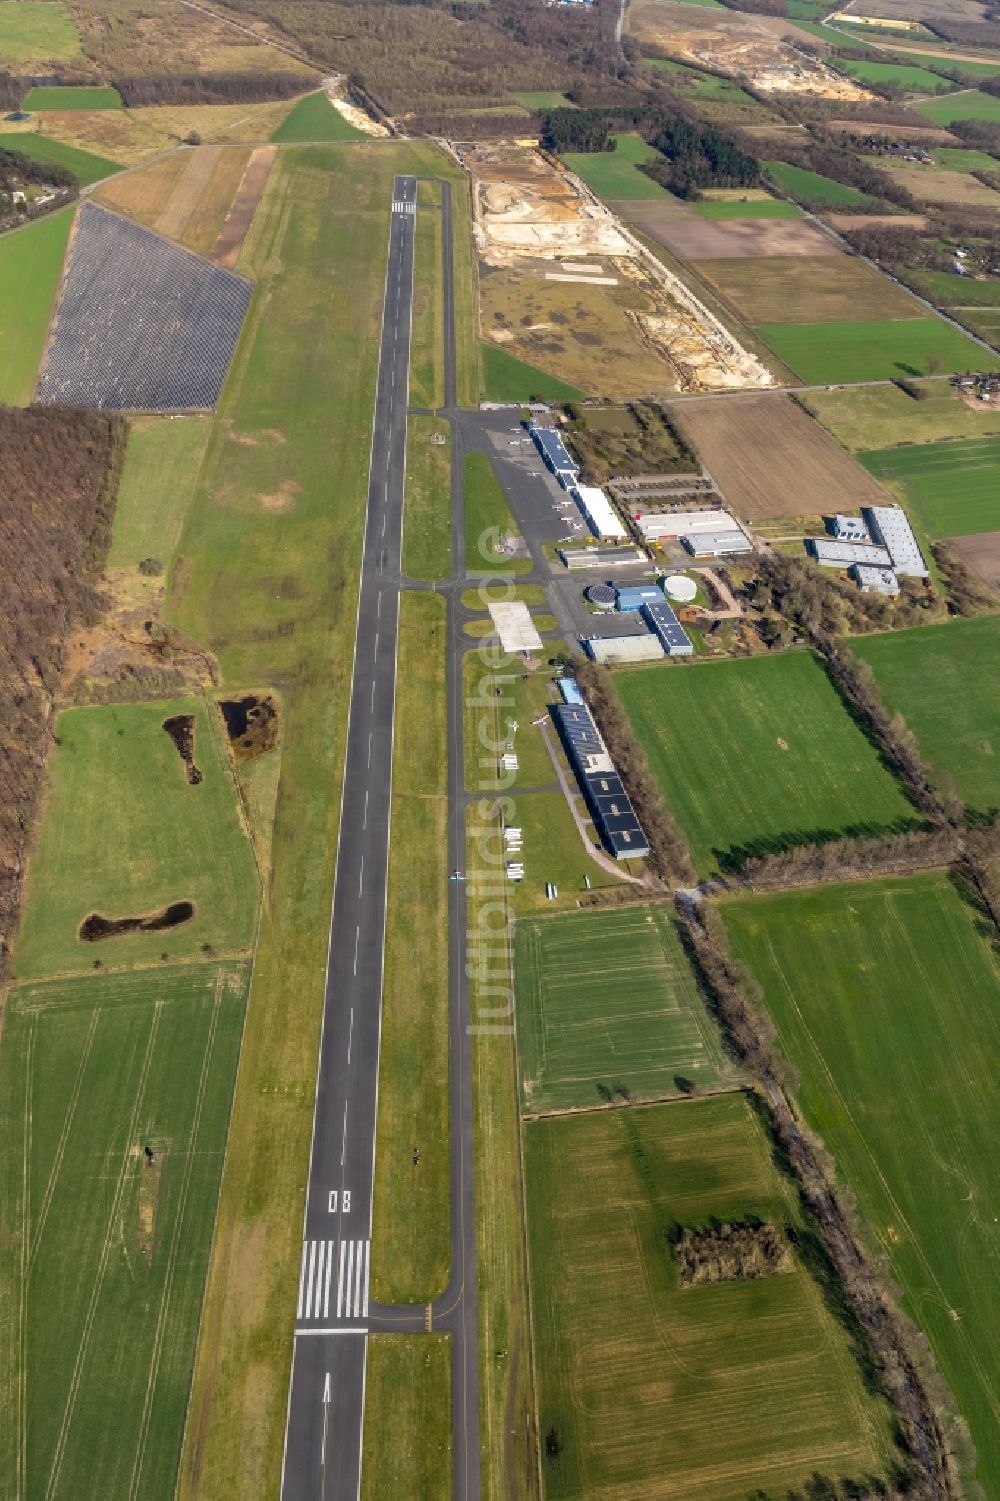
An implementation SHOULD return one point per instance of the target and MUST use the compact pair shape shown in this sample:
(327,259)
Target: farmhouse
(609,805)
(890,526)
(598,512)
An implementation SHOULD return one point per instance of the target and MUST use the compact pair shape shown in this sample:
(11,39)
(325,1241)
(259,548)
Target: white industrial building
(875,580)
(716,544)
(598,512)
(849,529)
(659,526)
(830,554)
(890,526)
(612,649)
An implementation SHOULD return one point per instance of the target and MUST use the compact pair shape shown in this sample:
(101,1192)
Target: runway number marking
(345,1201)
(316,1279)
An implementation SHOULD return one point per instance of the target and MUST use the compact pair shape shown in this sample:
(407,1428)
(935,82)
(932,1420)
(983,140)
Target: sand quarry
(559,269)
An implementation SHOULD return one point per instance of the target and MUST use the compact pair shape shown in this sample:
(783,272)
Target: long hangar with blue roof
(606,798)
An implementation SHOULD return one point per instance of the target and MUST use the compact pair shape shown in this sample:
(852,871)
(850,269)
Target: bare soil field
(238,220)
(770,138)
(201,232)
(930,186)
(144,194)
(770,458)
(981,553)
(701,239)
(737,45)
(930,133)
(199,166)
(884,221)
(799,289)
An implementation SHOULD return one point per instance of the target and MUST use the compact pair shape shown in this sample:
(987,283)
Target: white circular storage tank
(679,587)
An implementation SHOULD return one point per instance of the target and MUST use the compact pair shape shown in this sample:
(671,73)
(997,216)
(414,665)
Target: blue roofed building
(553,450)
(607,801)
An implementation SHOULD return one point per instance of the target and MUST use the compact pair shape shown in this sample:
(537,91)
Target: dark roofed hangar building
(606,798)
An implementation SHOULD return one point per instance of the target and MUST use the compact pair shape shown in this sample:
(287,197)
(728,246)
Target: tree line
(143,89)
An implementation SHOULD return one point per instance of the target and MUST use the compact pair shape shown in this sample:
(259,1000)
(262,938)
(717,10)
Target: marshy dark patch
(95,928)
(180,728)
(251,724)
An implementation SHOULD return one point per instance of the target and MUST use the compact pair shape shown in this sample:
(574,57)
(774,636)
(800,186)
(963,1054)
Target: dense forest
(699,156)
(11,91)
(207,88)
(58,485)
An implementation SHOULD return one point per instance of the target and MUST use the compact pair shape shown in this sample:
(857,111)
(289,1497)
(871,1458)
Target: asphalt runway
(326,1399)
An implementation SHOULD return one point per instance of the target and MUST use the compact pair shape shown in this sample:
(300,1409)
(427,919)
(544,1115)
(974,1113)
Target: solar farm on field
(942,679)
(30,266)
(757,755)
(104,1253)
(886,997)
(141,324)
(125,834)
(952,488)
(607,1001)
(829,352)
(713,1393)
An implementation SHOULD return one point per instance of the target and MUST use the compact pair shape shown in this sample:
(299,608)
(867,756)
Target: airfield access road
(323,1436)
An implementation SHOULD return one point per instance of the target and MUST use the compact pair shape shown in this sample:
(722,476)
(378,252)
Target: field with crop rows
(952,488)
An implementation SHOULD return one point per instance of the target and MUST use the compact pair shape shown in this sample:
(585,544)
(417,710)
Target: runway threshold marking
(316,1279)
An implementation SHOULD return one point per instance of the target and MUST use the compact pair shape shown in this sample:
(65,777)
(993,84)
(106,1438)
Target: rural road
(323,1435)
(334,1313)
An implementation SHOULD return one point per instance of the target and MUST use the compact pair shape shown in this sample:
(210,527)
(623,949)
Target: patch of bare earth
(981,553)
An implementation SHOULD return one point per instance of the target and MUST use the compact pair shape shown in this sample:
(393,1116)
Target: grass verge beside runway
(757,755)
(274,593)
(407,1432)
(314,118)
(715,1392)
(830,352)
(124,834)
(952,488)
(886,996)
(104,1255)
(411,1233)
(427,343)
(607,1005)
(488,518)
(30,268)
(941,678)
(427,520)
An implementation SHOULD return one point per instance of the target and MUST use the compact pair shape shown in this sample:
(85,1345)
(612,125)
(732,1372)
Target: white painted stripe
(340,1279)
(326,1280)
(302,1278)
(364,1304)
(309,1279)
(349,1284)
(320,1261)
(342,1330)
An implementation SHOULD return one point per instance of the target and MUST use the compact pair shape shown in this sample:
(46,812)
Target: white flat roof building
(830,554)
(875,580)
(515,627)
(598,512)
(644,648)
(890,526)
(714,544)
(655,525)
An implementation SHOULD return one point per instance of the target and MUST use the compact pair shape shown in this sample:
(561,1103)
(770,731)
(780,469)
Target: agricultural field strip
(952,486)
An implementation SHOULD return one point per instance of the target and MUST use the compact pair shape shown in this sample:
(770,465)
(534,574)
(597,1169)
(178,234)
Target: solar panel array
(606,798)
(142,325)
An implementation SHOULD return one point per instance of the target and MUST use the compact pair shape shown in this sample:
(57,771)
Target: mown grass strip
(407,1429)
(427,528)
(314,118)
(86,166)
(427,339)
(506,378)
(411,1236)
(31,262)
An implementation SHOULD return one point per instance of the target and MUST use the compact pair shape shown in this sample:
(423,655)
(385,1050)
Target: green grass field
(488,518)
(799,182)
(952,488)
(543,99)
(613,174)
(411,1231)
(715,1393)
(964,291)
(407,1429)
(914,80)
(964,159)
(971,105)
(605,1001)
(76,97)
(758,754)
(30,267)
(870,417)
(103,1257)
(315,119)
(506,378)
(775,208)
(86,167)
(38,31)
(427,320)
(832,352)
(124,834)
(162,461)
(886,997)
(940,678)
(427,522)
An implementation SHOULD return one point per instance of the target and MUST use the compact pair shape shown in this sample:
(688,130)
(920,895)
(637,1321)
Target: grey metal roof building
(830,554)
(575,558)
(712,544)
(553,451)
(890,526)
(641,647)
(673,637)
(606,798)
(874,580)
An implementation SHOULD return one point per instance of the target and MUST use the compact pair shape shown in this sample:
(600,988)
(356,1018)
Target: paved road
(322,1459)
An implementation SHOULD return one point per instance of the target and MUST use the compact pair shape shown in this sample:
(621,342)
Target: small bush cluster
(731,1252)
